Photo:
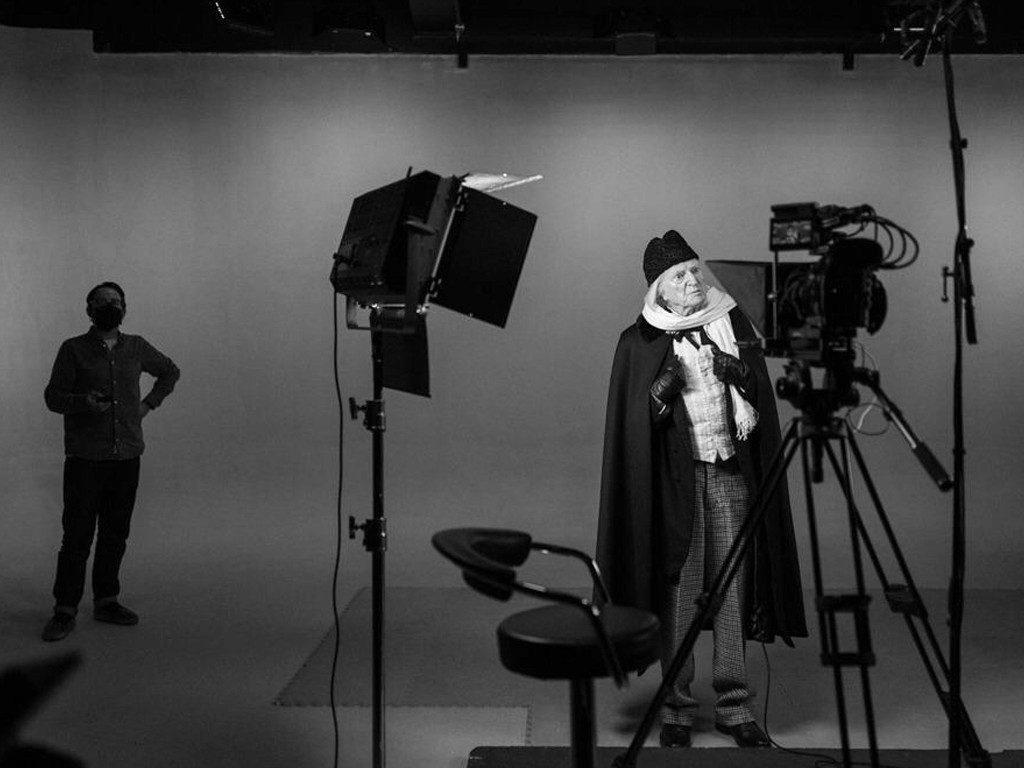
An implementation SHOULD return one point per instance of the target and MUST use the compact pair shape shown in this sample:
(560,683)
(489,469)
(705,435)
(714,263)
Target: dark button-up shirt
(86,364)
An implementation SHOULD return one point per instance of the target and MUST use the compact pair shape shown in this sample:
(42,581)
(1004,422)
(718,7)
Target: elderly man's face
(682,289)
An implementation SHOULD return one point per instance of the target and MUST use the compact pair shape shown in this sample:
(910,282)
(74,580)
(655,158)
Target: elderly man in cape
(691,429)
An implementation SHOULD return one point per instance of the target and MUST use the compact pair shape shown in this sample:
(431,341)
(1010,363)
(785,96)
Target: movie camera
(810,311)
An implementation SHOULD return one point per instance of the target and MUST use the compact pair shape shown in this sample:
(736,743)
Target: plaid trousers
(721,506)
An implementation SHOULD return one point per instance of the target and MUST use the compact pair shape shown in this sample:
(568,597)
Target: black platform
(719,757)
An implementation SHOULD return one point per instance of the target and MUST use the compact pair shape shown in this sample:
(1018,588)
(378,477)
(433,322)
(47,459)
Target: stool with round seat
(573,640)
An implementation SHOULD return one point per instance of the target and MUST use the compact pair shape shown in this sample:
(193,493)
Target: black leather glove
(670,382)
(731,370)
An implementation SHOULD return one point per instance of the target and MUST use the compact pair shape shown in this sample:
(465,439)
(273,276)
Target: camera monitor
(750,283)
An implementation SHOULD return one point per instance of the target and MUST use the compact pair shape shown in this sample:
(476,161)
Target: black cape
(640,549)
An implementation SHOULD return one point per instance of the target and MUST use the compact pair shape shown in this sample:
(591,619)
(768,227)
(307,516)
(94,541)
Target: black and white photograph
(511,384)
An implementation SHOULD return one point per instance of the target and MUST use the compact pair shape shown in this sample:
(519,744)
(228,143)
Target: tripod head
(818,404)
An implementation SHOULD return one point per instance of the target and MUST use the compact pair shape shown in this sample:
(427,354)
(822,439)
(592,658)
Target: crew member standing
(691,429)
(95,384)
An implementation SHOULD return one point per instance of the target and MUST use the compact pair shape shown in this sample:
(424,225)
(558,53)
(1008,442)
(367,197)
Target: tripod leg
(827,630)
(829,606)
(711,600)
(907,601)
(902,598)
(865,655)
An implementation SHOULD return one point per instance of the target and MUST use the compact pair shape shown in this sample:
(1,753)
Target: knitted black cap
(664,252)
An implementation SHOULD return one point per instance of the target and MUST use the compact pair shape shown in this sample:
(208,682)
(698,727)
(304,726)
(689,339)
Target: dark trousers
(99,497)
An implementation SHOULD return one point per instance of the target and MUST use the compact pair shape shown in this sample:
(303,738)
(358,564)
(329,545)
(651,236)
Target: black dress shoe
(745,734)
(115,613)
(674,735)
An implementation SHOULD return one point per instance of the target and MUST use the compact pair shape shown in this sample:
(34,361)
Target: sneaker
(58,627)
(115,613)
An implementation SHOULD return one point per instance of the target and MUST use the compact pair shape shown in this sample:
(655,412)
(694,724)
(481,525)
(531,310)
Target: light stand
(941,30)
(963,313)
(420,239)
(375,530)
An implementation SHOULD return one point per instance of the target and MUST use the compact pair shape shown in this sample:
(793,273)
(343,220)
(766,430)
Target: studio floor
(198,684)
(229,620)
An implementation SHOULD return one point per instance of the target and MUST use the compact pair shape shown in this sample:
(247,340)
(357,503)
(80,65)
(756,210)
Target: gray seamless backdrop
(215,189)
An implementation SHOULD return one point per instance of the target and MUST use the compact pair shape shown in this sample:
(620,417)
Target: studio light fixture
(423,238)
(430,239)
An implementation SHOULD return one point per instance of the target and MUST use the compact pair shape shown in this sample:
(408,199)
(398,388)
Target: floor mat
(440,649)
(558,757)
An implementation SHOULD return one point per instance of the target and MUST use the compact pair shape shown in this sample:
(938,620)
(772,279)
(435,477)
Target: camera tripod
(818,433)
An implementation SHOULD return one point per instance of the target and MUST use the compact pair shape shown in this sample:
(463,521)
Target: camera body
(817,307)
(811,310)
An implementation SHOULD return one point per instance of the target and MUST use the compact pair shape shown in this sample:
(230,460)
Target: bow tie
(688,335)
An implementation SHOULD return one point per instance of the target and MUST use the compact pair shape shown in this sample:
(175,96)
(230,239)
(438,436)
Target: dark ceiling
(468,27)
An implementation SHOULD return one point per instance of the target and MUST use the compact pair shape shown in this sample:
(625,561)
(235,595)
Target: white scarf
(714,316)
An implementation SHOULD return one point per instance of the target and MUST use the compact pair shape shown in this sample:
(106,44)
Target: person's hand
(670,381)
(731,370)
(97,402)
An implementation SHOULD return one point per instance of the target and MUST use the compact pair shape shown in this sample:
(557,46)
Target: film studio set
(707,459)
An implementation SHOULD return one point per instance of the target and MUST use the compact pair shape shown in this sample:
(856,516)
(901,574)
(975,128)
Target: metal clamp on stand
(373,414)
(375,533)
(902,599)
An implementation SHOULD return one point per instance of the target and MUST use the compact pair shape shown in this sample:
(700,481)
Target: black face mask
(107,317)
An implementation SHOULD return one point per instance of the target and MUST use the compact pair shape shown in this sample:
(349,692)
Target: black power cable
(337,549)
(820,760)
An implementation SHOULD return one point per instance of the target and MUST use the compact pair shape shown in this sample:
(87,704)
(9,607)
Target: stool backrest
(487,557)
